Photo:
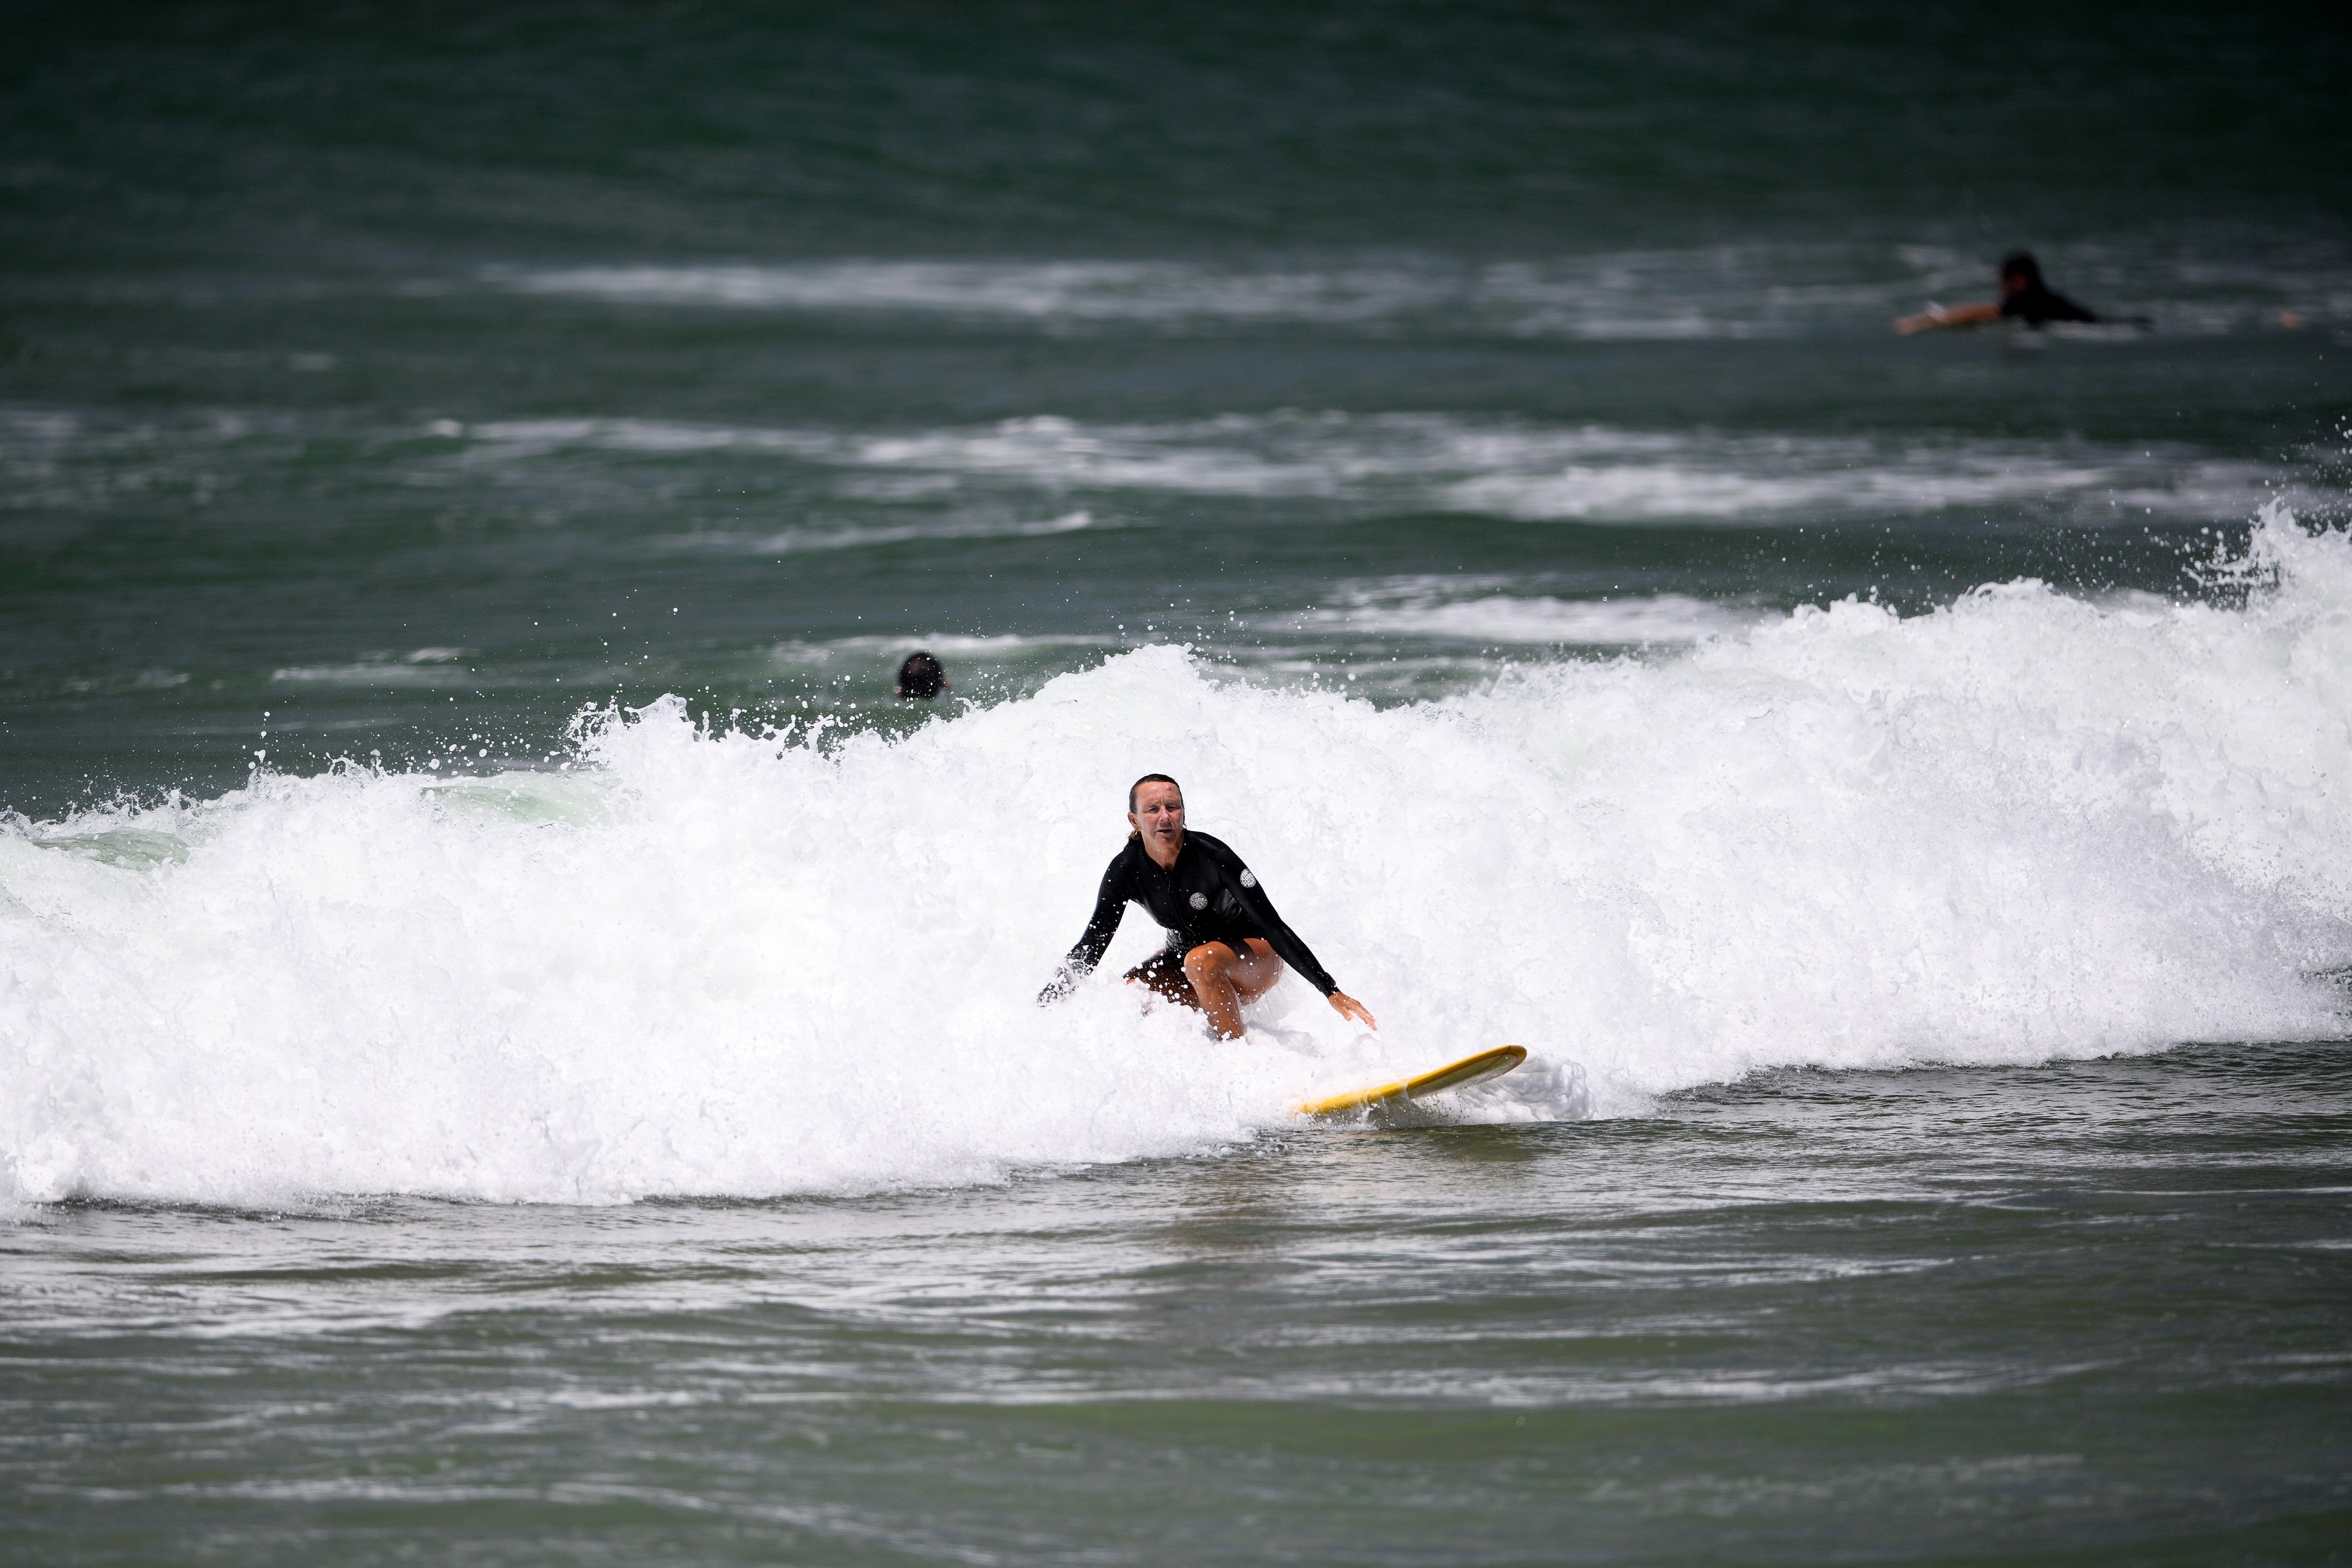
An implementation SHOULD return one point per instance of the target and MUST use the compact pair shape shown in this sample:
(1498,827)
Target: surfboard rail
(1477,1069)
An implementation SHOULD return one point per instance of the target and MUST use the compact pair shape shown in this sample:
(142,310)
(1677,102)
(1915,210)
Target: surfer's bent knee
(1207,958)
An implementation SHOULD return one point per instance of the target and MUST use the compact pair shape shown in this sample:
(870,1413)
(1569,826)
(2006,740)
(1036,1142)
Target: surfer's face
(1158,813)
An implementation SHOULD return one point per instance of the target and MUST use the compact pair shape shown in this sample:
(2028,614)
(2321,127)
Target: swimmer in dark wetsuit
(2023,297)
(1226,945)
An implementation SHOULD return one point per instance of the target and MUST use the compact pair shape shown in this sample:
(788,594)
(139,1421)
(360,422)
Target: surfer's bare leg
(1223,979)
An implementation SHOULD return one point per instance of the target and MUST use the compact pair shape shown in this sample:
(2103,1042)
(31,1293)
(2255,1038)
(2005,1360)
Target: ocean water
(514,1046)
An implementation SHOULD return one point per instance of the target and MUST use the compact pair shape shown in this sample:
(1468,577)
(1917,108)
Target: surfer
(1225,943)
(2023,297)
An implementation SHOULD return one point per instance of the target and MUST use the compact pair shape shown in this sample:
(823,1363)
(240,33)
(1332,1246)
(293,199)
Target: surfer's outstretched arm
(2023,296)
(1110,903)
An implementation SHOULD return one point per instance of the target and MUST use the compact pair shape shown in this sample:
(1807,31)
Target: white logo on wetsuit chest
(1200,901)
(1247,880)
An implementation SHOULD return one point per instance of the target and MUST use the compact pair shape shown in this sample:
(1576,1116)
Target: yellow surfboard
(1453,1075)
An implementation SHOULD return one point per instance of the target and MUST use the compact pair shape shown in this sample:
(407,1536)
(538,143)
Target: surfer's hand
(1348,1006)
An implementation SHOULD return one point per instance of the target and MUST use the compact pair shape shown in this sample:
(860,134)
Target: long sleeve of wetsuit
(1110,903)
(1278,936)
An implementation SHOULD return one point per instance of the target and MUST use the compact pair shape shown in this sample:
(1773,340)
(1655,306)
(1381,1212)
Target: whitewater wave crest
(705,960)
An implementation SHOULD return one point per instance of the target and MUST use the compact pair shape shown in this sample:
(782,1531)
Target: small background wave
(1754,291)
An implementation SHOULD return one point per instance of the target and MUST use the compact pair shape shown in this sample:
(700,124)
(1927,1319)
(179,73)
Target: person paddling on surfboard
(1225,943)
(2023,297)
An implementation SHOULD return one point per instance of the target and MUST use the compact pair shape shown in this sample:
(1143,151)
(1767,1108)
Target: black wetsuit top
(1210,897)
(2039,304)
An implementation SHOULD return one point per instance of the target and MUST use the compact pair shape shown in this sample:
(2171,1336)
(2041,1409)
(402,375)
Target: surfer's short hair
(1150,778)
(2020,264)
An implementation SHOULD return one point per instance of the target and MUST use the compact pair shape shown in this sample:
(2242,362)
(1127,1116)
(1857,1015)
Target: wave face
(706,961)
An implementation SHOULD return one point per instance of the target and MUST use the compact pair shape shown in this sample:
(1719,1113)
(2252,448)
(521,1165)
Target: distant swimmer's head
(2019,273)
(1155,808)
(921,676)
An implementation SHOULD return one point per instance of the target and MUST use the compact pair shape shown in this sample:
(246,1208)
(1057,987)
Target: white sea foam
(1615,297)
(803,541)
(1043,291)
(513,436)
(1435,608)
(2024,827)
(864,651)
(418,667)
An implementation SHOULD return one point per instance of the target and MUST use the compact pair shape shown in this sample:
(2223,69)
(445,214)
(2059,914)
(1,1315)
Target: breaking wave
(705,960)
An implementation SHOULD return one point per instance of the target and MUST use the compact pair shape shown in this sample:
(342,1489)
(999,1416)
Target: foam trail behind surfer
(1226,945)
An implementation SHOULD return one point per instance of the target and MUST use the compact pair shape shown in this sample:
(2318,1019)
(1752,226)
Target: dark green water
(431,1129)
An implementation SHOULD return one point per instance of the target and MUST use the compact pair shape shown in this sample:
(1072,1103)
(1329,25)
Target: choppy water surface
(514,1046)
(2087,1311)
